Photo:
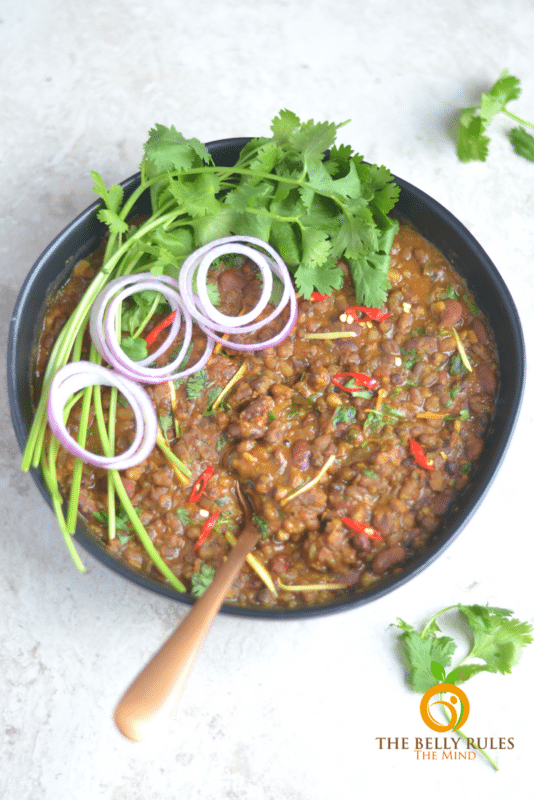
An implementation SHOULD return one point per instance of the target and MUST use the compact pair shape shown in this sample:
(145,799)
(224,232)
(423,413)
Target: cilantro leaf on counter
(497,644)
(472,143)
(522,142)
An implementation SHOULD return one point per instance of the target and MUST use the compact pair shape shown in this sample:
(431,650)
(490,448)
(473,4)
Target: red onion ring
(79,375)
(211,320)
(104,336)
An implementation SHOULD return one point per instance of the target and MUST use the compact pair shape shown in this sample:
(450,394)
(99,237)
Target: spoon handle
(152,698)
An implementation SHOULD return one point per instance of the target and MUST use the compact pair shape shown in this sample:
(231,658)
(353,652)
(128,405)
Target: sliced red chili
(152,336)
(206,529)
(376,314)
(419,455)
(362,527)
(318,296)
(199,487)
(361,379)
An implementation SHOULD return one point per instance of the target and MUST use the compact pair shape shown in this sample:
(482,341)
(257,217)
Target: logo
(457,707)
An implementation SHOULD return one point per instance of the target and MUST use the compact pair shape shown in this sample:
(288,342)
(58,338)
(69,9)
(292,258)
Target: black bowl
(434,222)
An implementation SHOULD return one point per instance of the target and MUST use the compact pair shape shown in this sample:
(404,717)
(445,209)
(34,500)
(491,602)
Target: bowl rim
(427,206)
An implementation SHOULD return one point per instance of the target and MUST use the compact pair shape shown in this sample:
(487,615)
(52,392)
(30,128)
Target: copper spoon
(153,696)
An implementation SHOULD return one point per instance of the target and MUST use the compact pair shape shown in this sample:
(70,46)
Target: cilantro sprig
(314,209)
(498,641)
(472,143)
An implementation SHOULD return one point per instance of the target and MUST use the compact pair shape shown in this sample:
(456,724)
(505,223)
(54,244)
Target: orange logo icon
(457,705)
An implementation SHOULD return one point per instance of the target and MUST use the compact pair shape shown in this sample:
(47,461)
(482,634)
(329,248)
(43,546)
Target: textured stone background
(272,710)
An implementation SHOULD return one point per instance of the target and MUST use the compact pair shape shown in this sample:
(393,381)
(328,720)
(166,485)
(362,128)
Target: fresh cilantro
(135,349)
(377,419)
(300,403)
(464,415)
(313,200)
(467,467)
(195,384)
(370,473)
(449,293)
(112,199)
(165,422)
(497,644)
(472,143)
(183,516)
(121,519)
(344,414)
(262,525)
(410,357)
(456,365)
(201,579)
(522,142)
(221,441)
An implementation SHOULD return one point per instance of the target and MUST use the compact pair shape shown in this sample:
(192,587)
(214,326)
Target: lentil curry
(353,437)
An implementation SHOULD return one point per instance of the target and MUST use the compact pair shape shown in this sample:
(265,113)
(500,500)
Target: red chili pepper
(200,484)
(375,314)
(362,527)
(359,377)
(419,455)
(151,338)
(318,296)
(206,529)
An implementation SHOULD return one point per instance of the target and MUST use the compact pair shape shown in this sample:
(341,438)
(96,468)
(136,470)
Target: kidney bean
(480,331)
(389,558)
(451,313)
(474,448)
(486,378)
(280,564)
(300,454)
(423,344)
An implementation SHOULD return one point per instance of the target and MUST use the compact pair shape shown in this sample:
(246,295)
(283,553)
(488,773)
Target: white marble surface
(273,710)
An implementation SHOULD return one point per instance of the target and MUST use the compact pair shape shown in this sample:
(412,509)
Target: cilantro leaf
(321,278)
(498,640)
(112,199)
(472,143)
(522,142)
(421,651)
(135,349)
(195,384)
(168,149)
(201,579)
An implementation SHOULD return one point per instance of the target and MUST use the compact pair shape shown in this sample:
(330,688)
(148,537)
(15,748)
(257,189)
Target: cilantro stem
(432,620)
(465,738)
(517,119)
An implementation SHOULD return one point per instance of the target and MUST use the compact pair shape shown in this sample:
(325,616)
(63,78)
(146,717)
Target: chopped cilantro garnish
(369,473)
(201,579)
(262,525)
(386,415)
(345,414)
(121,519)
(195,384)
(183,516)
(456,365)
(410,357)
